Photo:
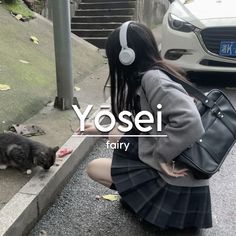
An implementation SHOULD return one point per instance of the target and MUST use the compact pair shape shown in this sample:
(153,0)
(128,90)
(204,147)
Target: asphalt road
(78,212)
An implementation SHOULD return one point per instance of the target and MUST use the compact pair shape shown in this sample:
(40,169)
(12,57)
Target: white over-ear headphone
(127,55)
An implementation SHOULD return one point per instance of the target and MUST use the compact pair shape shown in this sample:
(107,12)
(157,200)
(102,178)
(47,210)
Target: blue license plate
(228,48)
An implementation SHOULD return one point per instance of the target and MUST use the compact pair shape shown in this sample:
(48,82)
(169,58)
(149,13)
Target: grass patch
(19,8)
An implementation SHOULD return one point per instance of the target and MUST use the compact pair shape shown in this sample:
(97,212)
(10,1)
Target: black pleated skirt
(152,199)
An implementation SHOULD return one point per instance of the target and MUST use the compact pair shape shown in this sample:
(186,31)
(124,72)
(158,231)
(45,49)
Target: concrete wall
(151,12)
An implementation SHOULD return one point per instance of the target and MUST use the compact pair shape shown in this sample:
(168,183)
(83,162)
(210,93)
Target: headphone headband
(123,34)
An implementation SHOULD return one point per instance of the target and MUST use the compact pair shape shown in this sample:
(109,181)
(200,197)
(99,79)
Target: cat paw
(3,167)
(29,172)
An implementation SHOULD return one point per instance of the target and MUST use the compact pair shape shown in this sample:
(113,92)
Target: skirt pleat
(152,199)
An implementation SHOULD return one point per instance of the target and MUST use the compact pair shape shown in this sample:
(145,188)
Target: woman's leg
(100,171)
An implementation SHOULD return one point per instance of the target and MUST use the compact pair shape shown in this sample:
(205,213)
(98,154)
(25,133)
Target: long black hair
(125,80)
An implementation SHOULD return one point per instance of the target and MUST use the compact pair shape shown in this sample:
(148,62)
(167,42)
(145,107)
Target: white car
(200,35)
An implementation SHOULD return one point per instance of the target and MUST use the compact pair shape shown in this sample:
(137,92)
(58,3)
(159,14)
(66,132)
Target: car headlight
(180,25)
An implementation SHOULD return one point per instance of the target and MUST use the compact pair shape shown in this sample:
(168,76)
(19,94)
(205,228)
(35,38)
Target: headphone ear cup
(127,56)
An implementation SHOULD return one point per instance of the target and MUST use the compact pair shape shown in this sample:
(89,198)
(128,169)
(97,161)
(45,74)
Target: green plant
(17,7)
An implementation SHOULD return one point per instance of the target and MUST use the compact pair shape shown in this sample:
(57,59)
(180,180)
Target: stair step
(95,25)
(101,19)
(105,12)
(105,5)
(92,1)
(96,19)
(98,42)
(91,33)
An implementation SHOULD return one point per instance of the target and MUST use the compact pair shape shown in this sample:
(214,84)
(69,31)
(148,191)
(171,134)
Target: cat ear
(55,149)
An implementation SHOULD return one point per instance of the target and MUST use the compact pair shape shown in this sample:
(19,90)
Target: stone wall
(151,12)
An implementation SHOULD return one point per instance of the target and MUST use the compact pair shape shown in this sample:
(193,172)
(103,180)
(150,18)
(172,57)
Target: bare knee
(100,171)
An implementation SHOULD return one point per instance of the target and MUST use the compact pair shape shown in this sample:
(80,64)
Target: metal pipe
(62,44)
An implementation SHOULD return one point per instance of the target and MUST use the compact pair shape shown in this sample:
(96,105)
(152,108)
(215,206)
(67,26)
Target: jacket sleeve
(182,121)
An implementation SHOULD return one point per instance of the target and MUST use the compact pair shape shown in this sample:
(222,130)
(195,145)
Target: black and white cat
(23,153)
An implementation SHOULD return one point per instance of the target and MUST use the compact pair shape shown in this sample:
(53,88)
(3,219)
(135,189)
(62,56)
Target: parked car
(200,35)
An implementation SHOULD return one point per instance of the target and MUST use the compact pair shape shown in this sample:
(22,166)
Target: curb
(26,207)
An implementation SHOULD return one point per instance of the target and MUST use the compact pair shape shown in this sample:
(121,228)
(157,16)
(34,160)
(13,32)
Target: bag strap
(191,90)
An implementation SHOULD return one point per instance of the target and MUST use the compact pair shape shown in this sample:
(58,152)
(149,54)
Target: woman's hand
(89,129)
(170,170)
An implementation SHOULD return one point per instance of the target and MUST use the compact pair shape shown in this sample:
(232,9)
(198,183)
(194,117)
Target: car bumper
(195,57)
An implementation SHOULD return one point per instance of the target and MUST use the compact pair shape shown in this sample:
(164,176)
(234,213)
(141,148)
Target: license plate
(228,48)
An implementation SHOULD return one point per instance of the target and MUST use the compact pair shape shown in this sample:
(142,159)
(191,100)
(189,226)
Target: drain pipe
(62,43)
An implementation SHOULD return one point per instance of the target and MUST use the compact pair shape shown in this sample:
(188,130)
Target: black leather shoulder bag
(218,115)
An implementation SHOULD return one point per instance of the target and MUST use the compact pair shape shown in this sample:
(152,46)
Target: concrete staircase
(96,19)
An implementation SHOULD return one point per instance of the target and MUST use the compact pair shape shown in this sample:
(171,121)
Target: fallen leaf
(24,62)
(111,197)
(34,39)
(77,88)
(4,87)
(18,16)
